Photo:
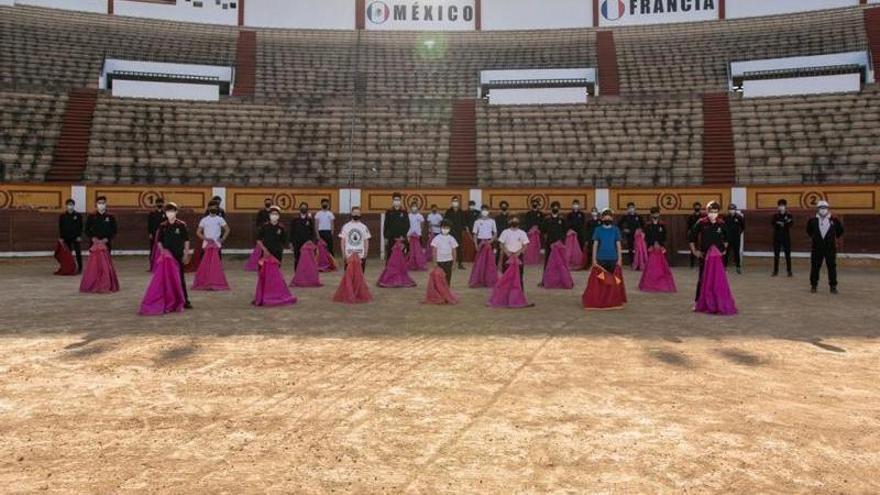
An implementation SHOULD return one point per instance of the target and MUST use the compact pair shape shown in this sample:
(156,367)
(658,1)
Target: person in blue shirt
(607,248)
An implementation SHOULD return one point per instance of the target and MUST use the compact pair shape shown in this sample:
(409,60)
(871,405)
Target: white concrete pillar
(220,191)
(349,198)
(78,194)
(603,198)
(739,197)
(476,195)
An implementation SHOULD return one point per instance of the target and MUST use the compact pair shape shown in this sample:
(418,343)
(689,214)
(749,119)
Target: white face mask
(414,210)
(823,212)
(781,209)
(171,215)
(69,207)
(455,204)
(631,211)
(395,203)
(484,213)
(575,207)
(102,207)
(274,217)
(712,216)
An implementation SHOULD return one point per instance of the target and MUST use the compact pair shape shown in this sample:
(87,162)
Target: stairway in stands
(463,144)
(719,160)
(872,29)
(245,64)
(72,149)
(606,62)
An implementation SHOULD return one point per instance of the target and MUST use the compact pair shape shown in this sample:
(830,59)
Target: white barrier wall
(210,13)
(98,6)
(537,96)
(424,15)
(636,12)
(166,90)
(532,14)
(114,64)
(300,14)
(840,83)
(750,8)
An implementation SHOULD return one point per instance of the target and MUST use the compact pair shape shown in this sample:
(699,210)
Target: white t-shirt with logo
(324,219)
(415,224)
(434,221)
(445,245)
(354,235)
(514,240)
(212,227)
(485,229)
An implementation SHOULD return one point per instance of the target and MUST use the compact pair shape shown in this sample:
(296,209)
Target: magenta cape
(326,262)
(164,294)
(395,274)
(484,273)
(99,276)
(416,258)
(715,296)
(195,260)
(657,277)
(210,274)
(271,289)
(353,287)
(66,263)
(573,251)
(604,290)
(640,251)
(532,255)
(306,274)
(556,274)
(438,290)
(508,292)
(154,254)
(253,262)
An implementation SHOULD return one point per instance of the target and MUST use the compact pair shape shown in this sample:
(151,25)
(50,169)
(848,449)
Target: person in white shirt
(434,220)
(444,245)
(356,237)
(213,227)
(324,220)
(513,242)
(416,221)
(485,229)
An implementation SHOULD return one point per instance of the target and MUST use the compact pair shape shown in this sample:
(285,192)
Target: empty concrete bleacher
(29,128)
(602,143)
(808,139)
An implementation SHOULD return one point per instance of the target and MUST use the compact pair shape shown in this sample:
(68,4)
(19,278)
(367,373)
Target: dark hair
(171,207)
(485,207)
(697,204)
(554,204)
(218,199)
(655,209)
(101,198)
(630,205)
(70,201)
(396,196)
(303,204)
(213,202)
(782,202)
(433,206)
(504,203)
(446,223)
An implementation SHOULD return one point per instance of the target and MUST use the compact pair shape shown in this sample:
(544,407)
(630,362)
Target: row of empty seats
(29,128)
(631,144)
(808,139)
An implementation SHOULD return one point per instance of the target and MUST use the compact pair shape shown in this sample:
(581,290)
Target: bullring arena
(255,110)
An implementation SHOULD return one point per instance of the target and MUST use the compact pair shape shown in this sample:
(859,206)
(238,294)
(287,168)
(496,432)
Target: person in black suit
(101,225)
(70,228)
(782,223)
(396,225)
(458,219)
(825,231)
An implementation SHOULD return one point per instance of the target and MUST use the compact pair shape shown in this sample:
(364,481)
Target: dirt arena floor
(399,397)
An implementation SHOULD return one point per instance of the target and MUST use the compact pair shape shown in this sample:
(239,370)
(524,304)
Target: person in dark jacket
(173,235)
(263,214)
(707,232)
(576,220)
(396,224)
(272,235)
(825,232)
(70,229)
(553,228)
(458,219)
(692,220)
(782,222)
(736,225)
(655,230)
(628,225)
(302,230)
(154,220)
(101,225)
(533,218)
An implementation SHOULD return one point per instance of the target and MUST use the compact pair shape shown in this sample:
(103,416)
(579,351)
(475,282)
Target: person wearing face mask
(435,221)
(782,222)
(628,225)
(825,231)
(444,247)
(355,237)
(173,235)
(485,229)
(263,215)
(607,243)
(218,201)
(502,222)
(736,225)
(324,220)
(655,230)
(154,220)
(533,218)
(101,225)
(692,220)
(458,220)
(594,222)
(473,215)
(213,228)
(416,222)
(709,231)
(302,230)
(70,228)
(272,238)
(513,244)
(576,220)
(553,228)
(396,225)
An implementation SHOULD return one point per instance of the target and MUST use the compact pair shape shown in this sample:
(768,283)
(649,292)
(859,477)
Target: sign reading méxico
(629,12)
(437,15)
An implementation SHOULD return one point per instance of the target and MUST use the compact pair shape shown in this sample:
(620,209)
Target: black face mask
(325,207)
(696,210)
(213,211)
(555,210)
(303,210)
(267,205)
(160,207)
(606,222)
(355,217)
(503,208)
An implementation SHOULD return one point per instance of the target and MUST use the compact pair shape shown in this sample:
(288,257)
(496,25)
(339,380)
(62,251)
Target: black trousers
(327,236)
(733,251)
(628,247)
(446,266)
(297,248)
(700,278)
(609,266)
(818,255)
(73,245)
(179,260)
(781,244)
(458,251)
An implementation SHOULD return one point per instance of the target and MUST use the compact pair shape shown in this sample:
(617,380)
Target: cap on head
(822,204)
(782,202)
(396,196)
(171,206)
(275,209)
(713,205)
(608,212)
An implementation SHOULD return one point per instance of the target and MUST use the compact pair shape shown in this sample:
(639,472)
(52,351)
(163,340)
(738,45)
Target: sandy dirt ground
(399,397)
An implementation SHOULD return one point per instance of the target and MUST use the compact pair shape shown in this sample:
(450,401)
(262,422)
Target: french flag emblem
(613,10)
